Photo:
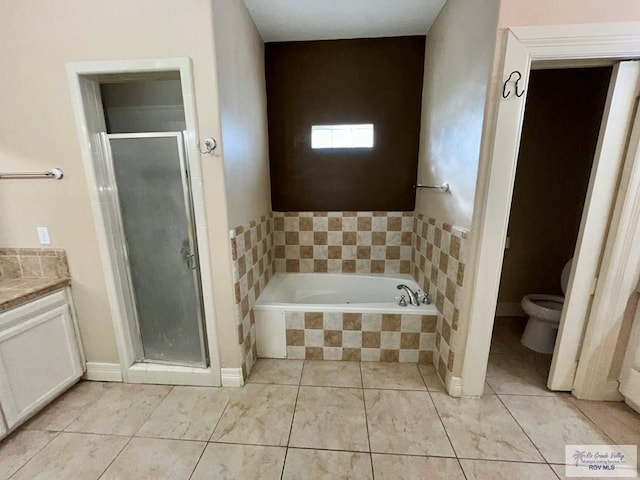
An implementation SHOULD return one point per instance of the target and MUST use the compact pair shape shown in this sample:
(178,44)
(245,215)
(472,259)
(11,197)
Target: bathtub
(325,314)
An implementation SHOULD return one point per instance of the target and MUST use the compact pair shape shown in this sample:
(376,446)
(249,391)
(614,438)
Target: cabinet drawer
(33,308)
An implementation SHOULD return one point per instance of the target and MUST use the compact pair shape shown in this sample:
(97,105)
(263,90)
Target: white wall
(38,132)
(458,60)
(243,108)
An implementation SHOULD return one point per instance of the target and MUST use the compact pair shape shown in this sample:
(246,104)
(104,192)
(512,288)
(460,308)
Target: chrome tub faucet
(413,296)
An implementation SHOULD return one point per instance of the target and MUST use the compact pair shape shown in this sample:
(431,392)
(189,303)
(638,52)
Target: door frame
(573,45)
(83,79)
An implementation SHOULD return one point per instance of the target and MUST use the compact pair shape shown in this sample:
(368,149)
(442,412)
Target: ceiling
(292,20)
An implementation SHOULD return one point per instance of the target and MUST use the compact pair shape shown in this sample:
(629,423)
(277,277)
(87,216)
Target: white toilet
(544,316)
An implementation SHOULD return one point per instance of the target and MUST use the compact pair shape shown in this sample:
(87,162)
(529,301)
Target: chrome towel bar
(54,173)
(440,188)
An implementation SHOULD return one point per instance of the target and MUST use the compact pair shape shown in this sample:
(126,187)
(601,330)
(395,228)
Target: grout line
(293,417)
(464,474)
(366,419)
(523,430)
(367,388)
(443,425)
(164,397)
(584,414)
(206,445)
(13,434)
(224,410)
(115,458)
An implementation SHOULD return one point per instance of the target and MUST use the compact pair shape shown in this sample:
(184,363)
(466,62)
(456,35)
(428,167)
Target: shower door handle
(191,261)
(189,258)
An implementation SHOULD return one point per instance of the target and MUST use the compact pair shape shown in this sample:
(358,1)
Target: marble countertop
(17,291)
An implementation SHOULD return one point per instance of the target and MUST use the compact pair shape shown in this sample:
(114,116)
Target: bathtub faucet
(413,296)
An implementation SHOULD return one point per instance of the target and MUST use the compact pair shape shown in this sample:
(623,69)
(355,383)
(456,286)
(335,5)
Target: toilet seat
(543,307)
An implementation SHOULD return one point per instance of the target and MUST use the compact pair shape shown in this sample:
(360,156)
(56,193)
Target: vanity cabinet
(40,356)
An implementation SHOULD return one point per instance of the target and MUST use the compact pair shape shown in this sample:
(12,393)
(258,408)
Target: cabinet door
(38,360)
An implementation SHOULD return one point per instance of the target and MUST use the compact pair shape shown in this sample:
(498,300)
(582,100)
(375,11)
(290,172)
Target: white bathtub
(326,292)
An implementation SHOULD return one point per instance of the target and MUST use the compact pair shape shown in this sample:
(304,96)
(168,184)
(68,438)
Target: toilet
(544,316)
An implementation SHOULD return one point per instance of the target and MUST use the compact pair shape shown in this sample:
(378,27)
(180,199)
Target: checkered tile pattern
(360,336)
(252,255)
(438,264)
(343,242)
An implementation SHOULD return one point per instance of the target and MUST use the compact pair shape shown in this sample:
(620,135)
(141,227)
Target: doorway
(571,47)
(138,129)
(562,120)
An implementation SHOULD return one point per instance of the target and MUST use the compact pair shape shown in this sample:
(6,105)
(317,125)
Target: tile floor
(318,419)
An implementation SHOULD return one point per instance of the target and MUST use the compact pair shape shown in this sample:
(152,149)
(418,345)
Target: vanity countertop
(17,291)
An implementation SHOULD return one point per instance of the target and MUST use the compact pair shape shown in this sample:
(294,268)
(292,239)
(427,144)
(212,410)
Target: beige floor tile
(71,456)
(551,423)
(405,422)
(485,470)
(187,413)
(258,414)
(222,461)
(326,465)
(59,414)
(430,377)
(516,375)
(404,467)
(483,428)
(155,459)
(397,376)
(615,419)
(331,374)
(121,410)
(331,418)
(18,448)
(283,372)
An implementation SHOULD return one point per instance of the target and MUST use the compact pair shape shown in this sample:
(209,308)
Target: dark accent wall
(375,81)
(559,136)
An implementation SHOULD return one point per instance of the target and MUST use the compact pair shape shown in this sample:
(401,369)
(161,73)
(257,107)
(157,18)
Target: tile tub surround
(33,263)
(343,242)
(360,336)
(438,266)
(252,260)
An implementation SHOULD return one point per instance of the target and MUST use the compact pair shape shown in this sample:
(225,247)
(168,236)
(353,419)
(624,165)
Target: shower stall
(153,217)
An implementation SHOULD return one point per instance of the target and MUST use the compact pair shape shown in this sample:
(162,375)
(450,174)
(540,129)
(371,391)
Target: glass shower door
(153,193)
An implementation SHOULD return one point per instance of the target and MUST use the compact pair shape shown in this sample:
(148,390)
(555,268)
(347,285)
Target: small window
(342,136)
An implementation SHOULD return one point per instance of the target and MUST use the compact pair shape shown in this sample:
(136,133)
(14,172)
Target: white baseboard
(232,377)
(103,372)
(454,386)
(509,310)
(161,374)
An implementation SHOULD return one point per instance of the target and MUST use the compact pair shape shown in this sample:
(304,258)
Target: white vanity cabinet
(39,356)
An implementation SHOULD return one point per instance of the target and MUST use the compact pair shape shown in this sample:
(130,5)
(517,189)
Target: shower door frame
(120,236)
(84,84)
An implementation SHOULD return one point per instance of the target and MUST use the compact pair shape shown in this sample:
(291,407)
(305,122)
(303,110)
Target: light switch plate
(43,235)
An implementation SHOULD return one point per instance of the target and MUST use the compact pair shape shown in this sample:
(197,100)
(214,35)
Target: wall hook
(506,94)
(210,145)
